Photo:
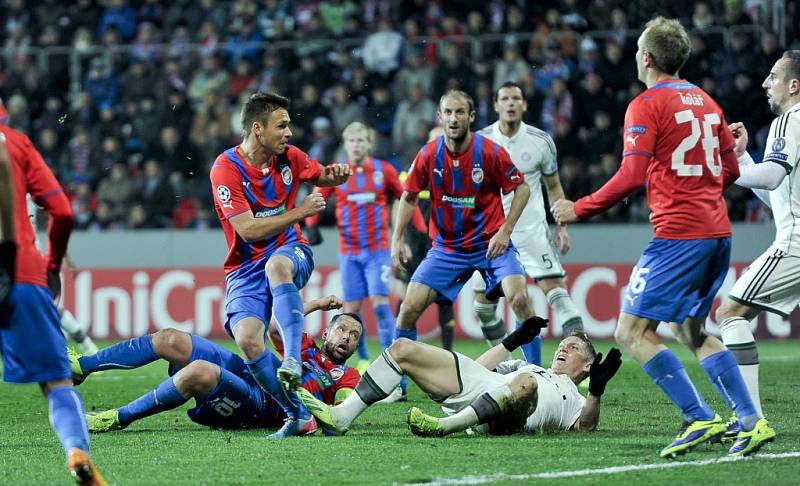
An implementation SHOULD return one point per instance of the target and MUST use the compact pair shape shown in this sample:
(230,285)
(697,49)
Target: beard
(330,351)
(461,136)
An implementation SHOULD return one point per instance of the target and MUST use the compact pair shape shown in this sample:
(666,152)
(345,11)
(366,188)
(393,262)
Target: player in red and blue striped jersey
(465,173)
(362,218)
(255,185)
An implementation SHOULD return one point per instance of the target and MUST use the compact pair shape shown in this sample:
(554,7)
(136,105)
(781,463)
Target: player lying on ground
(516,397)
(225,393)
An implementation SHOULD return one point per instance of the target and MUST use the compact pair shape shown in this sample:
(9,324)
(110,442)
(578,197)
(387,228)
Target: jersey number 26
(710,142)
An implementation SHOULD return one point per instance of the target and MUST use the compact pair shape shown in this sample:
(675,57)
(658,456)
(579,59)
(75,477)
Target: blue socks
(385,325)
(666,371)
(533,350)
(67,419)
(264,372)
(723,371)
(125,355)
(363,352)
(409,334)
(287,308)
(163,397)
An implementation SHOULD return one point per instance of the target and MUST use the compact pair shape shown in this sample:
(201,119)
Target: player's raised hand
(313,203)
(401,255)
(561,239)
(524,333)
(602,371)
(498,244)
(740,134)
(329,302)
(564,211)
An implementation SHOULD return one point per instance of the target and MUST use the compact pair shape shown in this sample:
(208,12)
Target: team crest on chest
(477,175)
(337,373)
(377,178)
(286,175)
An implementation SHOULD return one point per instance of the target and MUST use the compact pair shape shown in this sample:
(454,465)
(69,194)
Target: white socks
(739,339)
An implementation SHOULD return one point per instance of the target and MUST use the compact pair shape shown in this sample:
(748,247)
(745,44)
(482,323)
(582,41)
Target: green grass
(637,421)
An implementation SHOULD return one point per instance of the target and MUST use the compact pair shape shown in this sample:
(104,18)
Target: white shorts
(771,283)
(474,380)
(538,255)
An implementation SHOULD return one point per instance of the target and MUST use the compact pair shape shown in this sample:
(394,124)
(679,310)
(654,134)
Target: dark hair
(510,84)
(351,315)
(461,94)
(258,108)
(590,351)
(667,41)
(793,66)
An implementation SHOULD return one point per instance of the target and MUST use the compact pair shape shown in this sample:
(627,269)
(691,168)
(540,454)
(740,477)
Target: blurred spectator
(334,12)
(241,80)
(18,113)
(379,114)
(155,196)
(82,201)
(511,67)
(101,83)
(147,44)
(700,63)
(412,112)
(452,73)
(322,143)
(615,70)
(598,139)
(310,72)
(212,109)
(484,105)
(47,144)
(274,19)
(119,15)
(414,72)
(138,218)
(555,66)
(273,77)
(211,77)
(344,110)
(244,43)
(558,107)
(382,49)
(702,18)
(146,124)
(138,81)
(176,112)
(305,110)
(117,190)
(591,97)
(740,58)
(175,153)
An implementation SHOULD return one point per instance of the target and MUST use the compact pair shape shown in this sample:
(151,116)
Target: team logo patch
(336,373)
(477,175)
(286,175)
(377,178)
(526,156)
(778,144)
(777,156)
(223,194)
(636,129)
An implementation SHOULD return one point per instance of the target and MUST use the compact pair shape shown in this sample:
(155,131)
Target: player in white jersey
(515,397)
(71,327)
(772,282)
(534,153)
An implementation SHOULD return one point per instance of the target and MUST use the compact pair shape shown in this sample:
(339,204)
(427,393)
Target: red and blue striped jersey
(466,209)
(321,376)
(362,206)
(268,191)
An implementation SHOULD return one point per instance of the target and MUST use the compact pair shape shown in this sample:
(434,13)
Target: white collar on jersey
(499,133)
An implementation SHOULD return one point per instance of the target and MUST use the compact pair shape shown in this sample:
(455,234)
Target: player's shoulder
(538,136)
(15,138)
(787,124)
(225,162)
(295,154)
(488,130)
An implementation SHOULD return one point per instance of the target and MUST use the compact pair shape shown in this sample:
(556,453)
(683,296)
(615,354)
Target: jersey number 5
(710,142)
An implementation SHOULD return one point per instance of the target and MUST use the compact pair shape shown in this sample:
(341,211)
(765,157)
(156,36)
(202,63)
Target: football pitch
(636,422)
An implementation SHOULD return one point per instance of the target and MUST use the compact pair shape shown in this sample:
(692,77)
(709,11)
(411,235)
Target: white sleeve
(510,366)
(766,175)
(781,146)
(762,194)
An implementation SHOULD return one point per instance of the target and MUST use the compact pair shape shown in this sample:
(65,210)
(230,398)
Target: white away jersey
(782,148)
(560,403)
(534,153)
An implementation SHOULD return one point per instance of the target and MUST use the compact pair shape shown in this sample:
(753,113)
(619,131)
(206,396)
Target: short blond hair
(669,44)
(359,127)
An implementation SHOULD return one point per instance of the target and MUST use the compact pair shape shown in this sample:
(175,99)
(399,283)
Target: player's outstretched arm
(253,229)
(330,302)
(555,192)
(499,242)
(599,375)
(522,335)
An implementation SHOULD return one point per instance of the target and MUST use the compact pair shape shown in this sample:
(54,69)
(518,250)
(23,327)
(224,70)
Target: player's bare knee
(726,309)
(172,345)
(279,270)
(197,378)
(252,346)
(524,386)
(401,348)
(623,335)
(521,305)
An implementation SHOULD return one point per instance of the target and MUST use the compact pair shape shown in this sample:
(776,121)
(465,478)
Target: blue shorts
(676,279)
(365,274)
(247,292)
(203,349)
(446,273)
(33,347)
(236,403)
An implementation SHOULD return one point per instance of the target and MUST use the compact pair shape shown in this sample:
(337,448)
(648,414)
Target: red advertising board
(121,303)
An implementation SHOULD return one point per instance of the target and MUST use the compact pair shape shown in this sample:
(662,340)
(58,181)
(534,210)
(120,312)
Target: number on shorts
(386,273)
(225,406)
(547,261)
(710,142)
(638,282)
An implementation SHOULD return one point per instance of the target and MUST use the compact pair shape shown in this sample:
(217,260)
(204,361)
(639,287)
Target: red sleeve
(419,173)
(326,193)
(395,188)
(226,183)
(349,379)
(308,170)
(730,166)
(504,172)
(47,192)
(640,128)
(627,180)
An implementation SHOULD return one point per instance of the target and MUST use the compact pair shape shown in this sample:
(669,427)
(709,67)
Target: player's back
(30,175)
(684,132)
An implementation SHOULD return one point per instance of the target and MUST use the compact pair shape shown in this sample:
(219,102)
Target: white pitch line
(605,470)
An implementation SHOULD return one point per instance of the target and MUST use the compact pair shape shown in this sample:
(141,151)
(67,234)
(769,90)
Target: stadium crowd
(131,114)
